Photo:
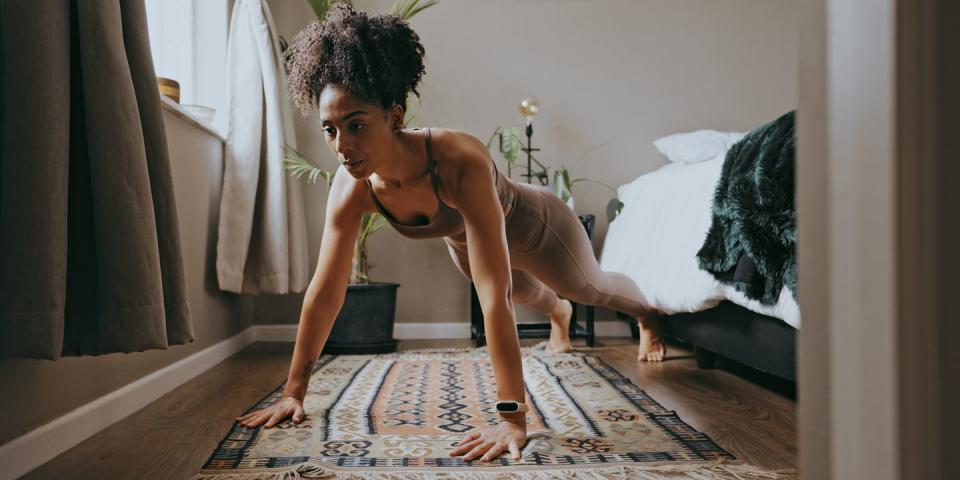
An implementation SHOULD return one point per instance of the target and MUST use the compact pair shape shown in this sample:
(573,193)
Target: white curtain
(262,242)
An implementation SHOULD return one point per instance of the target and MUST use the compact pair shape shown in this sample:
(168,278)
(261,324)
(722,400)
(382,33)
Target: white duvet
(656,237)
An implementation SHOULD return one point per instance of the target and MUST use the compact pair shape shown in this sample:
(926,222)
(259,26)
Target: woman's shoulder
(460,158)
(350,193)
(457,152)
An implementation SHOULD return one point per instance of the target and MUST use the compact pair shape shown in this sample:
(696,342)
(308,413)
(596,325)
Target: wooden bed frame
(731,331)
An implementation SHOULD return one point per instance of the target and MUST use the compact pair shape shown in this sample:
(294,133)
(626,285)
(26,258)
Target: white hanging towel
(262,239)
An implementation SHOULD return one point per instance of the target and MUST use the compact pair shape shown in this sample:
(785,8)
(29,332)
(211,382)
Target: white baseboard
(612,329)
(412,331)
(275,333)
(401,331)
(25,453)
(408,331)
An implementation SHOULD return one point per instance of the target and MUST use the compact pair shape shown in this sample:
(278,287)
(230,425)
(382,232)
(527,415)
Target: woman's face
(360,134)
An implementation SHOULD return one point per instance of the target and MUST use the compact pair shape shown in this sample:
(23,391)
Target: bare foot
(652,348)
(560,327)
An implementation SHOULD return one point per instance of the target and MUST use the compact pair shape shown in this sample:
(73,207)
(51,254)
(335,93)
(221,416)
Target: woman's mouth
(352,164)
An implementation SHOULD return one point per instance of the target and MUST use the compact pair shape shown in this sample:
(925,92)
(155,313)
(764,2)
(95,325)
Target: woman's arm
(475,196)
(322,302)
(327,289)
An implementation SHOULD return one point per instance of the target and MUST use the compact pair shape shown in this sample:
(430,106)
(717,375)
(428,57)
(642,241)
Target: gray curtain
(90,259)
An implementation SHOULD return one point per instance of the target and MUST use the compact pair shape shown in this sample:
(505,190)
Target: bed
(655,240)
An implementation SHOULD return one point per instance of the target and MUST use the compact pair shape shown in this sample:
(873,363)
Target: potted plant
(509,145)
(365,322)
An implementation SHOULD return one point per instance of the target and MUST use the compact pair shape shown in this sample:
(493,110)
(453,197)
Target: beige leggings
(551,255)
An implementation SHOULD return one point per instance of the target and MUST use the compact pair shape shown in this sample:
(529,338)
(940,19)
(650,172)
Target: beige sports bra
(448,222)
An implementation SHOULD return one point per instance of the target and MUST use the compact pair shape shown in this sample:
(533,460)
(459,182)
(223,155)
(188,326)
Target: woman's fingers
(493,452)
(479,450)
(465,447)
(469,438)
(271,416)
(514,450)
(275,419)
(250,421)
(255,420)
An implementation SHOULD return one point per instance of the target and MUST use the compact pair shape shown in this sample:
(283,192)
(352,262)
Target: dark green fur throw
(754,221)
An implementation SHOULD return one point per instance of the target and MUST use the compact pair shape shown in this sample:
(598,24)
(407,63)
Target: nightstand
(539,329)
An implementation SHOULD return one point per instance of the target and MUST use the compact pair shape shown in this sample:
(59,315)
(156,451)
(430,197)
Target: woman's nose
(343,148)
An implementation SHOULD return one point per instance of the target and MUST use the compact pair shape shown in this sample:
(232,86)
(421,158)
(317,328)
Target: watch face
(507,406)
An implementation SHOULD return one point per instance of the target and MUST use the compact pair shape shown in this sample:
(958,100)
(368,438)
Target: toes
(656,355)
(650,357)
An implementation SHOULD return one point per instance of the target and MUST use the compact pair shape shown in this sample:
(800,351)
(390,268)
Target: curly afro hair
(378,59)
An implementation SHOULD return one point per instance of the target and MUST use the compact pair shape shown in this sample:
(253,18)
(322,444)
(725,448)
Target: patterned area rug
(396,416)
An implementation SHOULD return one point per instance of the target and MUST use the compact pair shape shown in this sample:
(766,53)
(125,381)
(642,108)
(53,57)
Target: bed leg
(632,322)
(705,358)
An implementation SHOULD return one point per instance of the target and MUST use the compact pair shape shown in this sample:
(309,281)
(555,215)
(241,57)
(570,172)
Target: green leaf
(614,206)
(494,135)
(328,176)
(510,144)
(408,8)
(320,7)
(299,166)
(369,224)
(400,7)
(595,147)
(543,173)
(377,222)
(561,184)
(421,8)
(608,187)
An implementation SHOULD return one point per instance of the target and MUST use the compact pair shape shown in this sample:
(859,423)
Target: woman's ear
(396,117)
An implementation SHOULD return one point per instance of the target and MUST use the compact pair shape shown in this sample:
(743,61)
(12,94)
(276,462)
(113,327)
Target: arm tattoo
(307,370)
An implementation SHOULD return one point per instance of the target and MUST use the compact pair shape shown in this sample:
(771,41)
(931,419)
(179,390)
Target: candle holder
(529,108)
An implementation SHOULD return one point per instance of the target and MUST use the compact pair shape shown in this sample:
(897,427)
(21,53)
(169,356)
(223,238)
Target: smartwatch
(510,406)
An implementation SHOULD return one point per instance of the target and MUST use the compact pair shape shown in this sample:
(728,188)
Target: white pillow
(698,146)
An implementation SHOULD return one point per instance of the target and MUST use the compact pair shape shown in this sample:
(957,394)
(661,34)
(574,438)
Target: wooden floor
(172,437)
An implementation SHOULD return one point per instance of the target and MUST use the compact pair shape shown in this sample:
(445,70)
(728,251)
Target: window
(188,39)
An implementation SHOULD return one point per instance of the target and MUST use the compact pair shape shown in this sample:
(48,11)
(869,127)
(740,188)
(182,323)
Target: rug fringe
(709,471)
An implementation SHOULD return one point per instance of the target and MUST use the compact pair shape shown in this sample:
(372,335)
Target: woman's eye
(329,130)
(357,126)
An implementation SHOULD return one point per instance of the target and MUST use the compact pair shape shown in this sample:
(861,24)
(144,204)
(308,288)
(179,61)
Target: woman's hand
(492,441)
(285,408)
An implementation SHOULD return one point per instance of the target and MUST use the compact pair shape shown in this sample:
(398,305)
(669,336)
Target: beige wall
(36,392)
(877,176)
(813,341)
(621,72)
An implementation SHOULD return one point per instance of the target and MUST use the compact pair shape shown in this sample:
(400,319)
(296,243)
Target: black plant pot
(365,323)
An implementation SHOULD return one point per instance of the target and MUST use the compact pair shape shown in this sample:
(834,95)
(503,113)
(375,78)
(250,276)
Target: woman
(518,244)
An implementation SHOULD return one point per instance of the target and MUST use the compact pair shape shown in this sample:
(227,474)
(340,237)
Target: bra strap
(429,149)
(432,168)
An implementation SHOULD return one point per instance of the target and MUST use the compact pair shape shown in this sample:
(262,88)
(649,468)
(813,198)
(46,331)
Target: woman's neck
(407,164)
